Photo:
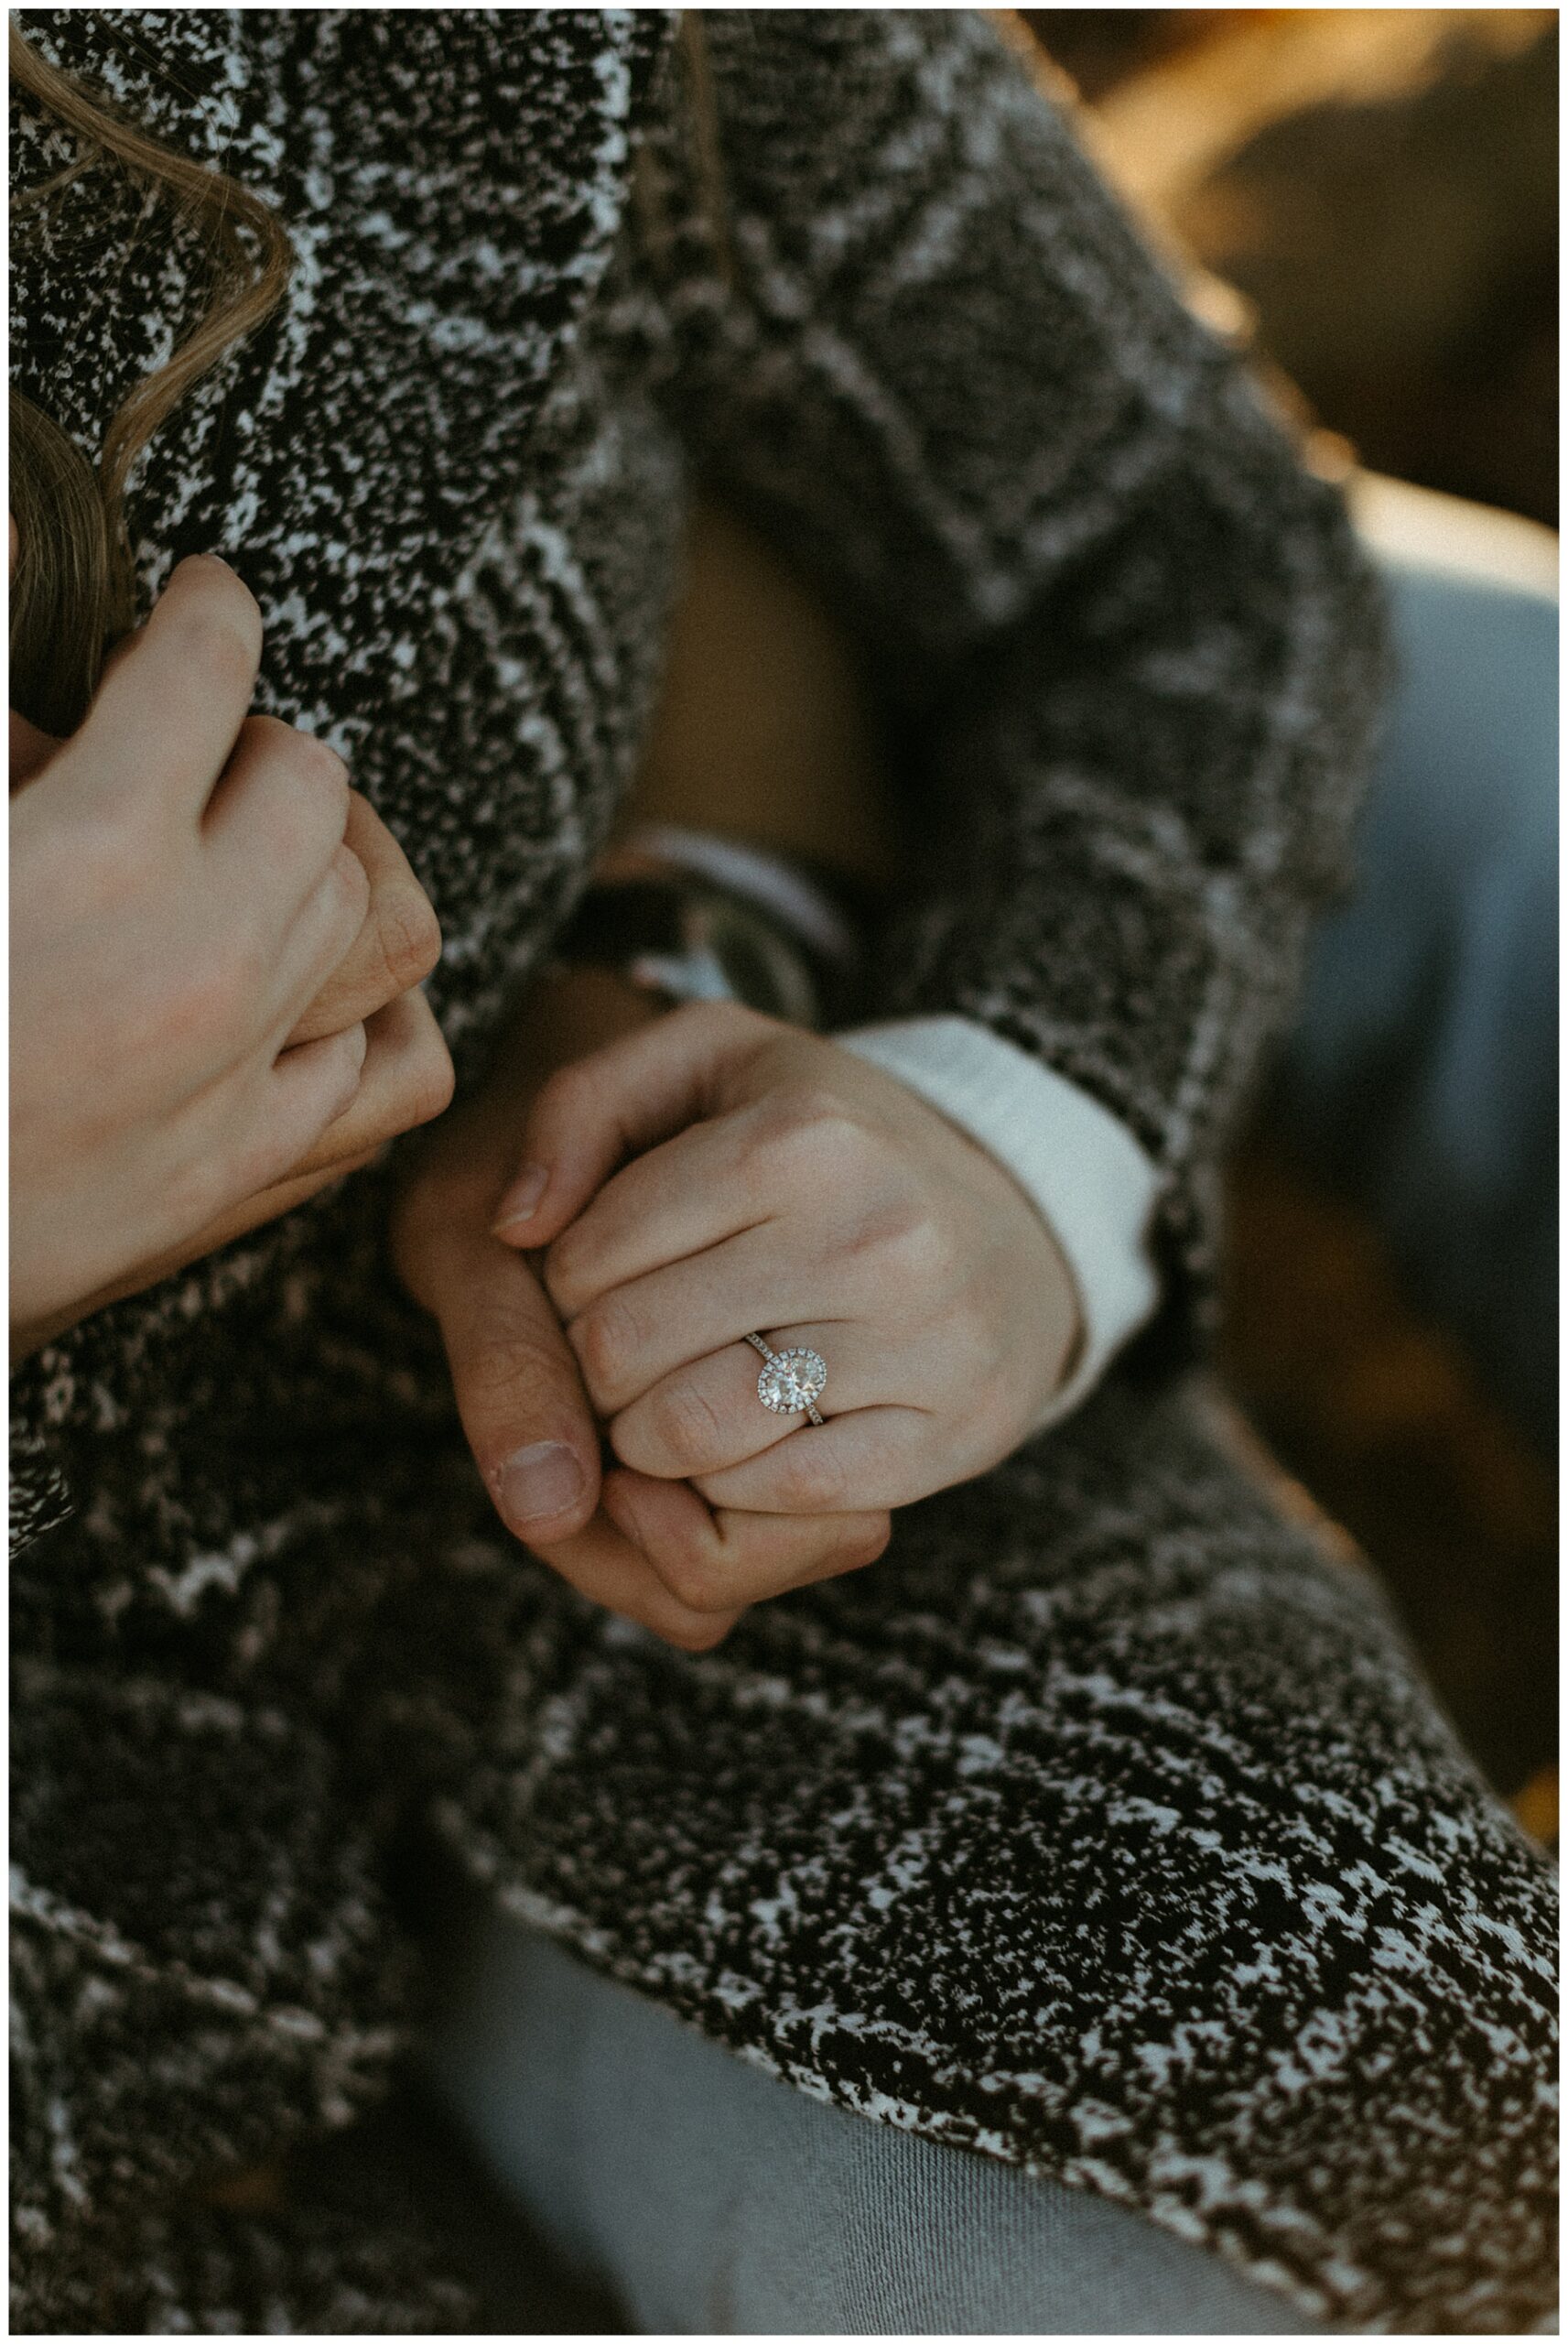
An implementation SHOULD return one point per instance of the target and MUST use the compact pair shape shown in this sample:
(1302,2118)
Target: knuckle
(906,1242)
(409,935)
(106,861)
(210,1003)
(317,765)
(346,878)
(811,1478)
(503,1365)
(802,1131)
(305,773)
(605,1340)
(685,1426)
(840,1147)
(217,634)
(279,799)
(568,1270)
(808,1108)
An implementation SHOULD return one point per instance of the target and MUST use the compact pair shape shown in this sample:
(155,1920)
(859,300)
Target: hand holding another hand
(703,1176)
(720,1175)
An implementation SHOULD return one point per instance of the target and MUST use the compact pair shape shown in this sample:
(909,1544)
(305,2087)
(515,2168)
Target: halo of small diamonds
(792,1381)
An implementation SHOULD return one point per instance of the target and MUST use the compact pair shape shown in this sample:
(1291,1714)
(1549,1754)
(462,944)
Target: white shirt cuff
(1081,1166)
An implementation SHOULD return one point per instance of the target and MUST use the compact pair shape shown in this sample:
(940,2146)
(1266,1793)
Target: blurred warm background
(1374,192)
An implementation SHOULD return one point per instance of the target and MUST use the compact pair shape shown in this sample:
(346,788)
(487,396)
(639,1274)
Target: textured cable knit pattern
(1104,1825)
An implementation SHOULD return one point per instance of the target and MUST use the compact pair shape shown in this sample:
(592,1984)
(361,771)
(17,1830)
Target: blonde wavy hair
(71,593)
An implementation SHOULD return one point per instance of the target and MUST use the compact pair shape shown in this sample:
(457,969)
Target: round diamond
(791,1381)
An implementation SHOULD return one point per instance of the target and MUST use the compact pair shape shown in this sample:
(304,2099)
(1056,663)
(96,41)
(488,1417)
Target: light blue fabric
(1423,1074)
(715,2200)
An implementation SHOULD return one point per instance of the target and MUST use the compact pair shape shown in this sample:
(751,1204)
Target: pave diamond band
(790,1381)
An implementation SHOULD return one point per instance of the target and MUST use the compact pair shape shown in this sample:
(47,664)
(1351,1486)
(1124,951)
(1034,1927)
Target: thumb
(596,1113)
(518,1390)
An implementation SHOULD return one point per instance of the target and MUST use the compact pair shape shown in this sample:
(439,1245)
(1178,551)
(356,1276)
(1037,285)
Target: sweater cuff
(1089,1178)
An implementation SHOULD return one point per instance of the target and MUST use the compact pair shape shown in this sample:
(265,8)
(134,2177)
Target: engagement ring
(791,1381)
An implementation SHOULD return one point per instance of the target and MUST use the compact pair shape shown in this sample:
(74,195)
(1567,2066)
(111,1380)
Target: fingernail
(537,1482)
(522,1198)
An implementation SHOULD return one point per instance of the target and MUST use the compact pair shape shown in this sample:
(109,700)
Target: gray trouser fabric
(715,2200)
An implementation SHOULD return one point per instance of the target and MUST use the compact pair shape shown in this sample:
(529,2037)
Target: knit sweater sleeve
(1127,654)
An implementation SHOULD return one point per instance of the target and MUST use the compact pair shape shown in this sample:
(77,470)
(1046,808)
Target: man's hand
(653,1550)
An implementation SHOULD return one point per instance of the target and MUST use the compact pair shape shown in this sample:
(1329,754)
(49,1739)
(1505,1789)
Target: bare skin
(712,1504)
(710,1172)
(764,732)
(222,943)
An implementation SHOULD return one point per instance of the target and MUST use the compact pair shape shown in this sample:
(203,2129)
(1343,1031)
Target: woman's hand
(778,1184)
(405,1080)
(518,1388)
(186,898)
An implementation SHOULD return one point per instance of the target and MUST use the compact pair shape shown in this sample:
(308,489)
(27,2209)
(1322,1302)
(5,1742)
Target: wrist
(692,915)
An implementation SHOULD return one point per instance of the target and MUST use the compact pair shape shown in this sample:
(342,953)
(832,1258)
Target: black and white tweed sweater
(1103,1826)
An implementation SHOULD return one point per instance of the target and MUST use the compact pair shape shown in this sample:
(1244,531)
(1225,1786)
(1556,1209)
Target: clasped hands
(221,947)
(601,1227)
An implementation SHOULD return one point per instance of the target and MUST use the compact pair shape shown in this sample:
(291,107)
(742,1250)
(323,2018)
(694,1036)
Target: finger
(243,1139)
(623,1099)
(323,930)
(709,1182)
(518,1391)
(277,819)
(630,1339)
(712,1561)
(398,941)
(170,709)
(407,1080)
(291,1106)
(708,1414)
(601,1563)
(877,1457)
